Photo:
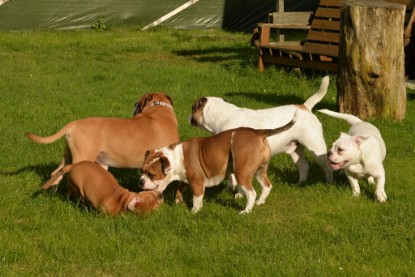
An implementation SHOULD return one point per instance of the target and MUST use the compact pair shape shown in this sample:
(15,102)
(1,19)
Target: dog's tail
(316,97)
(271,132)
(52,180)
(49,139)
(351,119)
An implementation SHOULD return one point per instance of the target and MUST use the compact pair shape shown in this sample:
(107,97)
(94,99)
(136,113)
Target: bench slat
(291,18)
(326,25)
(321,49)
(330,3)
(323,36)
(328,13)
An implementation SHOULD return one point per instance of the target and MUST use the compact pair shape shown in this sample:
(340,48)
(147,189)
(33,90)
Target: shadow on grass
(278,100)
(411,95)
(242,55)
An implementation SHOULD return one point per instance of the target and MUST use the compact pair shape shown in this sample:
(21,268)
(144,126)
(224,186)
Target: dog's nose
(329,153)
(141,182)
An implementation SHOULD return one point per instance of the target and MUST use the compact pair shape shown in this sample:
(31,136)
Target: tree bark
(371,74)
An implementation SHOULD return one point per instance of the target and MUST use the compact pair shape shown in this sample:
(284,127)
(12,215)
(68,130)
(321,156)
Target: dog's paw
(245,212)
(179,199)
(239,195)
(381,196)
(195,210)
(260,202)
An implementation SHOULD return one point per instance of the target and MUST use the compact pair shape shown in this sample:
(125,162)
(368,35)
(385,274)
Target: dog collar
(160,103)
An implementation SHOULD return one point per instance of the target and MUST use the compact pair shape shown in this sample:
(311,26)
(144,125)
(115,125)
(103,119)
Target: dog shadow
(217,194)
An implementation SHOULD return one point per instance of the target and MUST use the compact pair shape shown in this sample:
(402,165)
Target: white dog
(360,153)
(216,115)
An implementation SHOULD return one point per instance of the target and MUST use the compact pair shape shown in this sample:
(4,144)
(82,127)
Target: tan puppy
(98,188)
(117,142)
(203,162)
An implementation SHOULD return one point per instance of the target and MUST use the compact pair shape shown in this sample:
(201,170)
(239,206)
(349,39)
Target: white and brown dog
(203,162)
(216,115)
(117,142)
(360,153)
(96,187)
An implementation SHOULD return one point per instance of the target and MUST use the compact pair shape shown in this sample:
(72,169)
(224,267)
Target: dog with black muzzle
(360,153)
(118,142)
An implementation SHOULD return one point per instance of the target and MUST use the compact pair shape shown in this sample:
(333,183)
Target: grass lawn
(48,78)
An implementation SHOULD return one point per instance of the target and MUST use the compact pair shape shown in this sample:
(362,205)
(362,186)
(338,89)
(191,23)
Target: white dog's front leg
(354,184)
(250,200)
(380,188)
(298,158)
(197,203)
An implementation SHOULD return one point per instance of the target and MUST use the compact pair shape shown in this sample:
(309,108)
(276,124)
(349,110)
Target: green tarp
(234,15)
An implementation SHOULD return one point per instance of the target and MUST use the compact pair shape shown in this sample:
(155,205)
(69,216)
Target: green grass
(48,78)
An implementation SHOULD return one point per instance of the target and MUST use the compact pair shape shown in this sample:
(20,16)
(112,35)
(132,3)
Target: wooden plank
(264,34)
(321,49)
(284,26)
(325,25)
(291,18)
(333,37)
(308,47)
(328,13)
(288,46)
(330,3)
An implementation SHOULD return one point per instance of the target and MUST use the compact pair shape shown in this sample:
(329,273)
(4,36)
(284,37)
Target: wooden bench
(320,48)
(318,51)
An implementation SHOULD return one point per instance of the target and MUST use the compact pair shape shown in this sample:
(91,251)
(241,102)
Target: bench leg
(261,66)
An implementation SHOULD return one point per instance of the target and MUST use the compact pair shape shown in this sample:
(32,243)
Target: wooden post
(280,8)
(370,73)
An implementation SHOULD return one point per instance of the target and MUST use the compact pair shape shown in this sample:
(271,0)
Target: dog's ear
(200,103)
(142,103)
(169,98)
(165,165)
(136,109)
(148,152)
(134,201)
(358,140)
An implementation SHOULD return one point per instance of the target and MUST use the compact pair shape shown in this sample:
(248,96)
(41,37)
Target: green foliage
(48,78)
(99,25)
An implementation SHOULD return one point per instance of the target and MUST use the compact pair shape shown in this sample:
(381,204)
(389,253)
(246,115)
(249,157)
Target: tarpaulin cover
(233,15)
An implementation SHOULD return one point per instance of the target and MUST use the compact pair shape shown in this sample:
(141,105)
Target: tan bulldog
(117,142)
(98,188)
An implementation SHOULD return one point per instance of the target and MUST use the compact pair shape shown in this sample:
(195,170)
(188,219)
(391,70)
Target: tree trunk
(370,74)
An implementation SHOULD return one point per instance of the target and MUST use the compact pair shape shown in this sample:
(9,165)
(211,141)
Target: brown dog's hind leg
(179,192)
(263,179)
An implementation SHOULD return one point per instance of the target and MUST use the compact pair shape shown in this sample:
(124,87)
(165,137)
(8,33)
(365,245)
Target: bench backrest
(290,18)
(324,33)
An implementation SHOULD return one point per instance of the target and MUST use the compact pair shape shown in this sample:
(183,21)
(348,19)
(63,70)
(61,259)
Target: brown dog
(98,188)
(203,162)
(118,142)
